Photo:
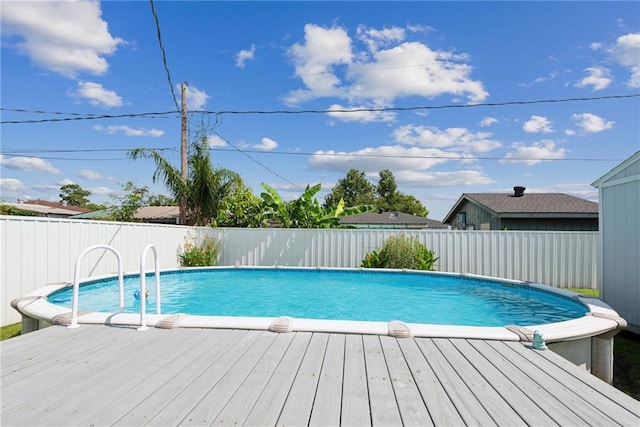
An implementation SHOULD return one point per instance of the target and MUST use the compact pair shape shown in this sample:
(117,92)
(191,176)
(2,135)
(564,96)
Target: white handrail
(143,285)
(76,282)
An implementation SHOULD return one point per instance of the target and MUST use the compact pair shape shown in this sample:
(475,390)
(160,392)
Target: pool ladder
(143,284)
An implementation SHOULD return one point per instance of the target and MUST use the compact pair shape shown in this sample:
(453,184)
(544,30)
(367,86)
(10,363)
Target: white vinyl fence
(37,251)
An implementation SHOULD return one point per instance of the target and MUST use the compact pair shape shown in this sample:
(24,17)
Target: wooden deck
(98,375)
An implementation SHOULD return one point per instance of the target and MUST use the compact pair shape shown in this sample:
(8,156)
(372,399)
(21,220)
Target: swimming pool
(580,317)
(334,294)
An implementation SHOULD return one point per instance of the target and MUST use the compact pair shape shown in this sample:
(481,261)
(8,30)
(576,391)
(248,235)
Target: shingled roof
(534,203)
(530,204)
(393,219)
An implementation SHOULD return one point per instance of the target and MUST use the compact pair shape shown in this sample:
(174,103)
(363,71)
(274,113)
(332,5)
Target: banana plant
(305,211)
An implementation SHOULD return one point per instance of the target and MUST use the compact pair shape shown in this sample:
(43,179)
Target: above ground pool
(400,303)
(352,295)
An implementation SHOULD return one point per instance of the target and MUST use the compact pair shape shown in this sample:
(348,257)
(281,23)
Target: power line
(423,107)
(89,117)
(345,111)
(256,161)
(164,55)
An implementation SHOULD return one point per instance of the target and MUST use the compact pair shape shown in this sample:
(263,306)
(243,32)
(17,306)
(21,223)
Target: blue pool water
(369,295)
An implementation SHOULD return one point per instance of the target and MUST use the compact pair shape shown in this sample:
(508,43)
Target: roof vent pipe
(518,191)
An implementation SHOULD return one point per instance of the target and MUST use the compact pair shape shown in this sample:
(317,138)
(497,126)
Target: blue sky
(103,58)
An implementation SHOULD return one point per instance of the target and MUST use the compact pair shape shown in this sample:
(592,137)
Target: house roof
(46,209)
(390,218)
(536,204)
(616,170)
(58,205)
(158,212)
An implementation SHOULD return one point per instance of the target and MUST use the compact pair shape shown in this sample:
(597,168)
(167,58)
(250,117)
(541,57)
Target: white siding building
(619,216)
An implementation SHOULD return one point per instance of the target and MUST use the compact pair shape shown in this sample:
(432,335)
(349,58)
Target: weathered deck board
(355,392)
(328,401)
(467,405)
(299,404)
(384,411)
(527,408)
(438,403)
(609,400)
(268,406)
(98,375)
(412,408)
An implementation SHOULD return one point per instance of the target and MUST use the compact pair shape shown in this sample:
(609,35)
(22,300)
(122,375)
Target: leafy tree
(10,210)
(305,211)
(387,190)
(240,209)
(205,188)
(409,204)
(355,189)
(161,200)
(132,199)
(74,195)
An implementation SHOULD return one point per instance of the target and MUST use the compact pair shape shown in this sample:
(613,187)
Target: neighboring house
(619,272)
(149,214)
(520,211)
(390,220)
(48,209)
(158,214)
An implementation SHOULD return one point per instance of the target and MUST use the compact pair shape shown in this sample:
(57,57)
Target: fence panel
(37,251)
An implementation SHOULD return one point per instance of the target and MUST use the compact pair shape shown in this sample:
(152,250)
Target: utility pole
(183,153)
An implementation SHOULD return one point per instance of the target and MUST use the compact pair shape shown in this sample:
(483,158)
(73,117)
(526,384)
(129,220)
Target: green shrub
(371,260)
(199,255)
(401,252)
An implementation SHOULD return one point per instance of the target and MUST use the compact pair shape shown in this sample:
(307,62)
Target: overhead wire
(243,152)
(164,55)
(220,113)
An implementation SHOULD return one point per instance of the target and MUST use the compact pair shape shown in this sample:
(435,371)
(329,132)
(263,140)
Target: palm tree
(205,188)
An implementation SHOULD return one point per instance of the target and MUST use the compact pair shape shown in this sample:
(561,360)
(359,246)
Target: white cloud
(11,185)
(89,174)
(488,121)
(196,99)
(373,160)
(551,76)
(413,69)
(374,39)
(28,164)
(66,37)
(598,78)
(314,61)
(459,138)
(442,179)
(129,131)
(387,68)
(535,153)
(101,191)
(98,95)
(626,52)
(359,114)
(591,123)
(266,145)
(216,141)
(537,124)
(245,55)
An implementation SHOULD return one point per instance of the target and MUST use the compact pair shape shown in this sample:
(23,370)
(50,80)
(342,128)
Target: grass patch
(10,331)
(591,293)
(626,363)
